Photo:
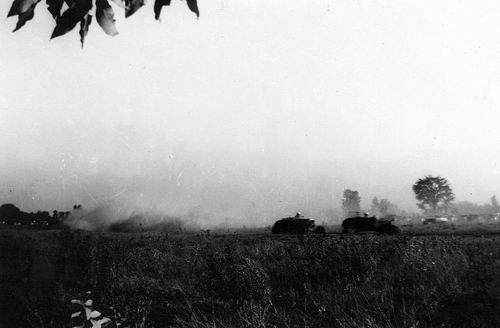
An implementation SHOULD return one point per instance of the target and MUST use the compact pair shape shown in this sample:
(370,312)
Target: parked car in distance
(369,223)
(435,220)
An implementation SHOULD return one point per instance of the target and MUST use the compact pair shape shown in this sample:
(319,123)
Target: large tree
(351,201)
(434,194)
(68,13)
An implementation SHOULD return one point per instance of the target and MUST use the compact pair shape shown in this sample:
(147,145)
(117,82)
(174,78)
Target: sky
(256,110)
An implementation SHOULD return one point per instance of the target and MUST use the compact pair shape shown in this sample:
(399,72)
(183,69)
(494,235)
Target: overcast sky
(261,107)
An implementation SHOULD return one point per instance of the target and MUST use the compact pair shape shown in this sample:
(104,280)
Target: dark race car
(296,225)
(369,223)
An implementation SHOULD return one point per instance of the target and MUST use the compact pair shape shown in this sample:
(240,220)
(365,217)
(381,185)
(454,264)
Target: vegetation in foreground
(160,280)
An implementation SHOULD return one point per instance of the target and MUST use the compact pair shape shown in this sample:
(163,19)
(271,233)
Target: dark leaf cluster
(68,13)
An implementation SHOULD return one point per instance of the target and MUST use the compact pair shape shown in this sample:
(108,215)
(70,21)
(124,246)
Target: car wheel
(351,230)
(319,230)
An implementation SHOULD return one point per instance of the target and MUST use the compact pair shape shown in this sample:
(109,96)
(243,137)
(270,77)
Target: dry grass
(189,280)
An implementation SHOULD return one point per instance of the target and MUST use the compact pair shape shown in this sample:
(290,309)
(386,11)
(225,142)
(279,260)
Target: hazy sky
(261,107)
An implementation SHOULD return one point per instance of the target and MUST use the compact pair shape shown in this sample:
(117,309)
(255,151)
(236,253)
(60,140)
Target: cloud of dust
(115,217)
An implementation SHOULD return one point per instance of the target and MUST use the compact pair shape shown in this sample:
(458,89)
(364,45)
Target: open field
(432,277)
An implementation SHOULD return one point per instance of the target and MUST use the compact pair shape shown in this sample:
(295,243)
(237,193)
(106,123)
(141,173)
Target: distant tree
(468,208)
(383,207)
(434,194)
(494,204)
(374,209)
(10,213)
(351,201)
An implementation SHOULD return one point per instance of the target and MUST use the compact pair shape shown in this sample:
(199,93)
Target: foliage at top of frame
(82,11)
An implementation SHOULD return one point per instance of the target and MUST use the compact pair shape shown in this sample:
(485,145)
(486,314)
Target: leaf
(76,314)
(54,7)
(88,312)
(95,314)
(25,16)
(89,303)
(193,6)
(105,17)
(120,3)
(95,323)
(74,14)
(84,27)
(77,302)
(99,323)
(25,11)
(21,6)
(158,6)
(131,6)
(104,320)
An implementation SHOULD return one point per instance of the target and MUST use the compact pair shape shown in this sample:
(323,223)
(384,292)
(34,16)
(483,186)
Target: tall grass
(156,280)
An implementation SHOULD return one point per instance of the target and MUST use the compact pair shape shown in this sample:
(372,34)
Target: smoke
(115,217)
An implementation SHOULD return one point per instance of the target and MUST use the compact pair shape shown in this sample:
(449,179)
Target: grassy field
(421,278)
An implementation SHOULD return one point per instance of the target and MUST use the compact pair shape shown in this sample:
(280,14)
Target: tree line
(12,215)
(434,196)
